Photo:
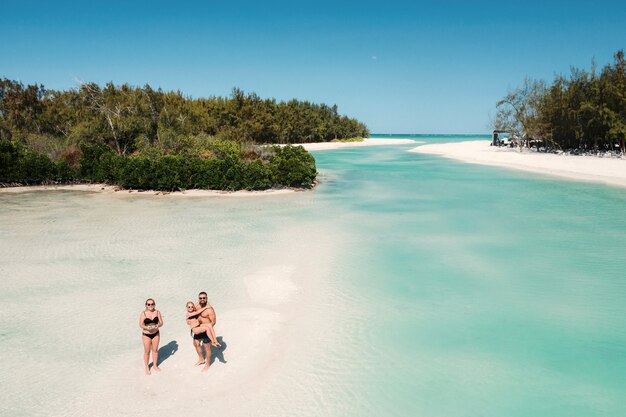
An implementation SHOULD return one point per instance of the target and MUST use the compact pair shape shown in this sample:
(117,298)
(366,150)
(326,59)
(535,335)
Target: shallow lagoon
(421,287)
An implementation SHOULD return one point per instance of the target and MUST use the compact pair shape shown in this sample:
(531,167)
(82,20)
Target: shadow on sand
(218,353)
(166,351)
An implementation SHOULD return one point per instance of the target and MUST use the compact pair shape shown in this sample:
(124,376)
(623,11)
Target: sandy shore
(325,146)
(114,190)
(264,277)
(580,168)
(254,338)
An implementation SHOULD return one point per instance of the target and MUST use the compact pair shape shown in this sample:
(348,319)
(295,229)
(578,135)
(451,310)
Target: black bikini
(148,321)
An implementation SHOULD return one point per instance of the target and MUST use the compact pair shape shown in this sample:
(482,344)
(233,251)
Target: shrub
(204,174)
(91,164)
(225,148)
(292,166)
(257,176)
(65,172)
(287,166)
(22,166)
(9,161)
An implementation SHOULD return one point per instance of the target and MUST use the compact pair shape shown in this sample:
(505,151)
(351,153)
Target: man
(206,316)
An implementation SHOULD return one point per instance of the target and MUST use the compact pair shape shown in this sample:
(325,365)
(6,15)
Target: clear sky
(400,67)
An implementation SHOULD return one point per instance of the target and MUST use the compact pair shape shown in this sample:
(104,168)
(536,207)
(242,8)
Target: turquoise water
(449,289)
(492,292)
(432,138)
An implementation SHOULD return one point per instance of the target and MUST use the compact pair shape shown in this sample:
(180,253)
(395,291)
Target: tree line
(132,119)
(586,110)
(151,139)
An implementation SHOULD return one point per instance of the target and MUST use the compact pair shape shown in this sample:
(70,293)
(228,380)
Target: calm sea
(448,289)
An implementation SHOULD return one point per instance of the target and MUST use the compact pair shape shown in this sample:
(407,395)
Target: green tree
(518,110)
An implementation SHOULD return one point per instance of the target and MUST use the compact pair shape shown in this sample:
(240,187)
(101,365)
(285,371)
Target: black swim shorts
(202,336)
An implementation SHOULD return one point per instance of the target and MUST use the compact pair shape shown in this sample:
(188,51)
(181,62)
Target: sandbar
(611,171)
(327,146)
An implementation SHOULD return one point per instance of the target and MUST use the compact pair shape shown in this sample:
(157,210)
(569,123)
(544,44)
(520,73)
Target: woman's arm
(195,313)
(161,323)
(142,316)
(192,314)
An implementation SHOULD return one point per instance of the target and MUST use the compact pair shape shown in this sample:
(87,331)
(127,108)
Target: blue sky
(400,67)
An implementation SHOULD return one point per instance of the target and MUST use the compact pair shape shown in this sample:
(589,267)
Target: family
(200,318)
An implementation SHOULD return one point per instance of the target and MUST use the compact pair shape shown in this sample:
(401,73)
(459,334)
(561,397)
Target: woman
(150,321)
(197,327)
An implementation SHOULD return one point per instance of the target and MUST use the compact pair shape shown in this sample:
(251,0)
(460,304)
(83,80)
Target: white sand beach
(269,292)
(255,339)
(610,171)
(325,146)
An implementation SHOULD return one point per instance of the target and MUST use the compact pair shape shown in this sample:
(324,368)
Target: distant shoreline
(611,171)
(325,146)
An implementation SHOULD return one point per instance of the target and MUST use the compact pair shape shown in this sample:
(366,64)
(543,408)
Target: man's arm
(195,313)
(211,315)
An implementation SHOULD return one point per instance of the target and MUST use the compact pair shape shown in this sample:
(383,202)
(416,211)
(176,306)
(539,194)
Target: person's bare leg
(211,333)
(199,329)
(196,344)
(208,329)
(146,352)
(207,363)
(155,353)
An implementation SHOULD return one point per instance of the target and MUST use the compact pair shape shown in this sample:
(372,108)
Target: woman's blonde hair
(190,302)
(150,299)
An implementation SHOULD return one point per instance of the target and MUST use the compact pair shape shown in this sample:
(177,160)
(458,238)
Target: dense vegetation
(585,111)
(223,165)
(150,139)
